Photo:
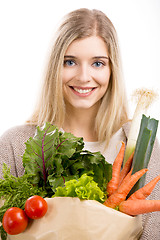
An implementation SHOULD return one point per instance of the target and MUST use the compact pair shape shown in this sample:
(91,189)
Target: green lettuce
(84,188)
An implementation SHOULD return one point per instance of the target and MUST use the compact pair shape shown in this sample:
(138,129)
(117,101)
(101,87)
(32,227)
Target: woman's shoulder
(126,127)
(18,133)
(12,148)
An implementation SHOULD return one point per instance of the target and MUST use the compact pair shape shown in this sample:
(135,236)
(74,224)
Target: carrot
(128,182)
(145,191)
(126,168)
(116,198)
(136,207)
(116,168)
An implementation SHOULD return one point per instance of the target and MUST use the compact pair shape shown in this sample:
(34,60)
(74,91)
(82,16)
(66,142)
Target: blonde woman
(83,93)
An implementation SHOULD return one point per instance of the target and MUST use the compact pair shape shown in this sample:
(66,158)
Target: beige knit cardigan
(12,147)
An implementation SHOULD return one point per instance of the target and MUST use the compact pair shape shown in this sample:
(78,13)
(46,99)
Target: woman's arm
(12,147)
(151,221)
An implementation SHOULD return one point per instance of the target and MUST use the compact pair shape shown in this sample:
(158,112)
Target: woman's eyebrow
(106,57)
(69,56)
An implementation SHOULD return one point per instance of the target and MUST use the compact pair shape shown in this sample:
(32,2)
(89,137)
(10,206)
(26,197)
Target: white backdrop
(26,32)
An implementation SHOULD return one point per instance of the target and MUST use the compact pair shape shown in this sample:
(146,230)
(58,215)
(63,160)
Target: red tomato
(14,221)
(36,207)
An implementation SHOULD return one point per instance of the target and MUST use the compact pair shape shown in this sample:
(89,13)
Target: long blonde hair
(112,113)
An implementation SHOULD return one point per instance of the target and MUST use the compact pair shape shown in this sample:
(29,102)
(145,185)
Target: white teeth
(83,90)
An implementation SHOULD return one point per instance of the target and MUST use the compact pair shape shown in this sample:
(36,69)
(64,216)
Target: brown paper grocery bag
(74,219)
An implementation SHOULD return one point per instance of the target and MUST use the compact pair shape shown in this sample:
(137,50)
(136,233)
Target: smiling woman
(85,56)
(83,93)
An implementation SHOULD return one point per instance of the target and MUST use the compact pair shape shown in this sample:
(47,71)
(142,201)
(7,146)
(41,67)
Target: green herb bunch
(15,191)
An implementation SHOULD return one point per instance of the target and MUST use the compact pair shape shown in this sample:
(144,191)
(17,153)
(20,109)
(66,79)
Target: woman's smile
(82,91)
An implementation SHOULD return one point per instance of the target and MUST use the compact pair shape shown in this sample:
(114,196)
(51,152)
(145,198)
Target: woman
(83,93)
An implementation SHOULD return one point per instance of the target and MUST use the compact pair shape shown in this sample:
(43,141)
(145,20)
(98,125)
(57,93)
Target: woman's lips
(82,91)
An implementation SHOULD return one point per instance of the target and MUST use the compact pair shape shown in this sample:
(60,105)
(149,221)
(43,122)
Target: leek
(145,98)
(144,147)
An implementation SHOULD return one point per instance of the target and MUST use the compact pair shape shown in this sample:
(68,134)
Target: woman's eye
(98,64)
(69,63)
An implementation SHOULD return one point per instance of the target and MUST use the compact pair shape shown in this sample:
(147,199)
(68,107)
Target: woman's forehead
(94,46)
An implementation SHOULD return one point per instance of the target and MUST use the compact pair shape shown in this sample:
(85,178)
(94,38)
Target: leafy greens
(83,188)
(56,157)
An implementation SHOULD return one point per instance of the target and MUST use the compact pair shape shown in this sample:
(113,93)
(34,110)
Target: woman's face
(86,72)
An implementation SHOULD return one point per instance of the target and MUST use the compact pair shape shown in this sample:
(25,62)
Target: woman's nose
(84,73)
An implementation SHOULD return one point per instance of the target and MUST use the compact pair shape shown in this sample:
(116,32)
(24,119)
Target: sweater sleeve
(151,221)
(12,147)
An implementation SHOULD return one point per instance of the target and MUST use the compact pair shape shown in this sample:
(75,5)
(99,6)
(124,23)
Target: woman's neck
(81,123)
